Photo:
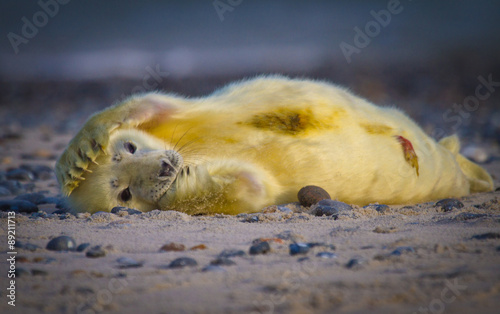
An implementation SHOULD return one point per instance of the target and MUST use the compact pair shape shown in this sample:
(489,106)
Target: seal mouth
(170,168)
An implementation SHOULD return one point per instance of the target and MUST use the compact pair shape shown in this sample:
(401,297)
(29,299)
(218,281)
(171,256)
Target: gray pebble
(183,262)
(214,268)
(323,210)
(82,247)
(326,255)
(231,253)
(127,262)
(303,259)
(130,211)
(21,272)
(18,206)
(381,208)
(40,172)
(35,198)
(223,262)
(402,250)
(468,216)
(4,191)
(61,243)
(448,204)
(39,272)
(341,206)
(299,248)
(284,210)
(356,263)
(26,246)
(20,174)
(15,187)
(486,236)
(95,252)
(260,248)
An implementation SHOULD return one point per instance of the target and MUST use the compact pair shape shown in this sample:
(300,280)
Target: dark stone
(299,248)
(486,236)
(35,198)
(183,262)
(311,194)
(130,211)
(382,208)
(39,272)
(18,206)
(20,174)
(26,246)
(62,243)
(40,172)
(61,211)
(355,263)
(127,262)
(95,252)
(402,249)
(4,191)
(82,247)
(175,247)
(448,204)
(468,216)
(15,187)
(260,248)
(223,262)
(323,210)
(326,255)
(21,272)
(231,253)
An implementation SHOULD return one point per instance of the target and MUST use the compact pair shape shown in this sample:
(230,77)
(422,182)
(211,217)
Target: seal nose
(166,169)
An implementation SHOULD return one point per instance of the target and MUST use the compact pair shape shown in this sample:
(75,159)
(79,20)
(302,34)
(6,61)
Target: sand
(442,268)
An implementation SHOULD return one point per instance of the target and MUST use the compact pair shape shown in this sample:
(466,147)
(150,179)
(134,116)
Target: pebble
(198,247)
(128,262)
(382,208)
(4,191)
(119,210)
(20,174)
(260,248)
(468,216)
(61,243)
(299,248)
(402,250)
(183,262)
(326,255)
(173,247)
(231,253)
(356,263)
(486,236)
(39,272)
(448,204)
(311,194)
(35,198)
(15,187)
(26,246)
(40,172)
(95,252)
(331,208)
(82,247)
(291,236)
(223,262)
(18,206)
(475,153)
(21,272)
(214,268)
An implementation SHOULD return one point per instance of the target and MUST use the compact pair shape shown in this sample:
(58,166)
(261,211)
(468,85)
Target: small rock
(223,262)
(214,268)
(119,209)
(82,247)
(21,272)
(20,174)
(291,236)
(468,216)
(303,259)
(311,194)
(44,260)
(173,247)
(356,263)
(26,246)
(4,191)
(326,255)
(127,262)
(15,187)
(299,248)
(260,248)
(475,153)
(401,250)
(198,247)
(18,206)
(231,253)
(486,236)
(183,262)
(40,172)
(95,252)
(61,243)
(385,229)
(382,208)
(35,198)
(448,204)
(39,272)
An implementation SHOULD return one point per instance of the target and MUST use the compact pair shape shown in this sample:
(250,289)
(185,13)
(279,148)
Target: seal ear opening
(479,179)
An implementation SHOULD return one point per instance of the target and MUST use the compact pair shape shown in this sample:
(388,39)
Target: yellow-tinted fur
(257,142)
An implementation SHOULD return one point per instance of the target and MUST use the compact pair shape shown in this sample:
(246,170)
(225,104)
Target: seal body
(257,142)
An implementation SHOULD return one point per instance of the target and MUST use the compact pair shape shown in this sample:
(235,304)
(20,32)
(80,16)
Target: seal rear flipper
(479,179)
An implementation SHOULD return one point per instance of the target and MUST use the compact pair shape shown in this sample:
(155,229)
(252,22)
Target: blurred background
(438,60)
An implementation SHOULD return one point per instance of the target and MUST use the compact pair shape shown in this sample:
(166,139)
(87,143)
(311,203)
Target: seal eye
(131,148)
(125,195)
